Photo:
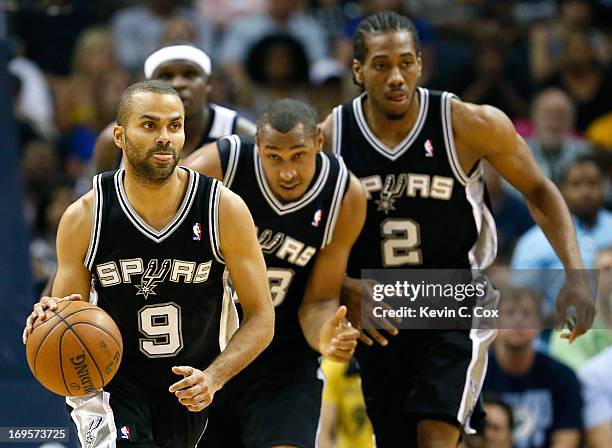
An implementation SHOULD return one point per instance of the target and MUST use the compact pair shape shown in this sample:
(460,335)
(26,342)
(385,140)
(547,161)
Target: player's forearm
(252,337)
(312,315)
(548,209)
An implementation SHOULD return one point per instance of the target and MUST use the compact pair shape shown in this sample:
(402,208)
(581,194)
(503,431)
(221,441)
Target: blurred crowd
(545,63)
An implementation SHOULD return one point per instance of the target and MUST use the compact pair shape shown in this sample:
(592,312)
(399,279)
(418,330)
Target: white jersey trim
(213,220)
(229,322)
(223,123)
(232,164)
(337,130)
(94,420)
(336,203)
(96,225)
(157,235)
(449,140)
(290,207)
(404,145)
(475,375)
(484,250)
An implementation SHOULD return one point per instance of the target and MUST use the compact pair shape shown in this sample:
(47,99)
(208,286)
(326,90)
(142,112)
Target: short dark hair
(284,115)
(124,109)
(580,160)
(495,400)
(382,22)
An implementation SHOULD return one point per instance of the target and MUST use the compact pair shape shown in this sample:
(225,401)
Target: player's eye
(407,64)
(273,157)
(379,66)
(191,74)
(176,126)
(148,125)
(165,76)
(299,155)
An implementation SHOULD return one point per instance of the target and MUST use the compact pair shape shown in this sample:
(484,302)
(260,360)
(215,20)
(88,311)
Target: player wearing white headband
(187,69)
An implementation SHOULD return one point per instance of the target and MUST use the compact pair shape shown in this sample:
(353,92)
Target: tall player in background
(158,242)
(417,154)
(188,70)
(308,211)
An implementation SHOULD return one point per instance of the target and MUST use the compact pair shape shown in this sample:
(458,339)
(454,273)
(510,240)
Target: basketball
(76,350)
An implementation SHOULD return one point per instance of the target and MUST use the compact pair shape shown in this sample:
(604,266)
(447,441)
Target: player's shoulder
(78,217)
(478,117)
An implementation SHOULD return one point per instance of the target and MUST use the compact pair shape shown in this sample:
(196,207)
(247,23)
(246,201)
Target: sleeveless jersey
(290,234)
(165,289)
(423,210)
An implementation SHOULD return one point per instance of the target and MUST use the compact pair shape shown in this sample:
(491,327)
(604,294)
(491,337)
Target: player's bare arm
(327,127)
(486,132)
(205,160)
(73,280)
(322,320)
(247,268)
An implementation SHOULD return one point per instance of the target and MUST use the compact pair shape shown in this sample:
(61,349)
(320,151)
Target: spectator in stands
(584,78)
(277,67)
(599,337)
(280,16)
(544,394)
(595,376)
(499,424)
(140,29)
(582,186)
(552,144)
(548,39)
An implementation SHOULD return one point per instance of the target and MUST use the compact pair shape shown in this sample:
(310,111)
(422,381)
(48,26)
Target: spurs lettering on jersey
(113,273)
(407,184)
(285,247)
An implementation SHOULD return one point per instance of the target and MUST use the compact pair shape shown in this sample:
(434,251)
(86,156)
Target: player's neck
(514,361)
(195,127)
(156,204)
(390,132)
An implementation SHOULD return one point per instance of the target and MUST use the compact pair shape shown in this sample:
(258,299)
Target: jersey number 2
(400,245)
(161,324)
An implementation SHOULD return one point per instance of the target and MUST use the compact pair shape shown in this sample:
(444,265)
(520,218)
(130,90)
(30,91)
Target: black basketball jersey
(423,210)
(290,234)
(165,289)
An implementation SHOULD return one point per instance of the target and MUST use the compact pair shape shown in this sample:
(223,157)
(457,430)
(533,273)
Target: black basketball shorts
(424,374)
(275,404)
(124,414)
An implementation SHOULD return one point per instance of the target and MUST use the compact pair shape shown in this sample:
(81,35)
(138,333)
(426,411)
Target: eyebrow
(296,146)
(156,118)
(410,53)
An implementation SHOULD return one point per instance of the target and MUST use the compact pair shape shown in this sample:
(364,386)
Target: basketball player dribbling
(417,154)
(157,243)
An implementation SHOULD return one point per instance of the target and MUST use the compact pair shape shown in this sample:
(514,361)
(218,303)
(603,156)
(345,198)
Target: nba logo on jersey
(197,232)
(125,432)
(316,220)
(429,149)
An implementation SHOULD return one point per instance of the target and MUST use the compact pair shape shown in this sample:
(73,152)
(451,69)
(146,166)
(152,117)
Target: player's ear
(357,73)
(319,139)
(119,136)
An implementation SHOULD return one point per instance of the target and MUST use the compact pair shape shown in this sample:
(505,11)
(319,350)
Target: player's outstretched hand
(45,303)
(338,338)
(575,293)
(357,296)
(196,390)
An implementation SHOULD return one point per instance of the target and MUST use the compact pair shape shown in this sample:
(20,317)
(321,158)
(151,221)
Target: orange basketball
(76,350)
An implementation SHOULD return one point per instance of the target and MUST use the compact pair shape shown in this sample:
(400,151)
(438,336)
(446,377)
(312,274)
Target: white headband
(175,53)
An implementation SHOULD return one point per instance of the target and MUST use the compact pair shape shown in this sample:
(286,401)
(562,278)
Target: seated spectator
(582,186)
(595,376)
(584,78)
(140,29)
(344,422)
(547,39)
(278,68)
(599,337)
(544,394)
(499,424)
(552,144)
